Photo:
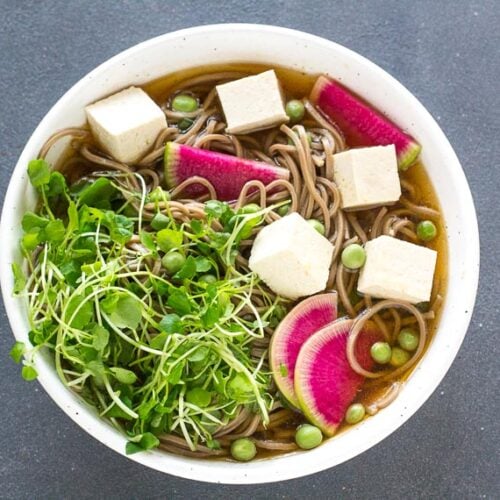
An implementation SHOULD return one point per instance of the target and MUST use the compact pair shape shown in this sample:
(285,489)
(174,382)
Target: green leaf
(32,223)
(158,342)
(168,239)
(29,373)
(89,269)
(97,370)
(98,194)
(196,226)
(84,249)
(171,323)
(283,370)
(188,270)
(56,185)
(30,241)
(54,231)
(43,333)
(38,172)
(218,210)
(145,442)
(124,310)
(131,448)
(72,218)
(211,315)
(145,409)
(175,375)
(84,315)
(116,412)
(220,239)
(202,264)
(17,351)
(71,271)
(100,338)
(199,397)
(148,241)
(120,227)
(199,355)
(179,301)
(124,376)
(239,388)
(19,278)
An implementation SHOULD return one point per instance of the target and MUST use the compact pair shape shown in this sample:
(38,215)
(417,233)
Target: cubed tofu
(398,270)
(291,257)
(126,124)
(367,177)
(252,103)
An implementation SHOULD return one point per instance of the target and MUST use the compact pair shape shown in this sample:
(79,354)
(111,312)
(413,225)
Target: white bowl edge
(289,48)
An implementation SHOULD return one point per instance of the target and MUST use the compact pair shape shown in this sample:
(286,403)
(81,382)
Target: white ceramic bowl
(274,46)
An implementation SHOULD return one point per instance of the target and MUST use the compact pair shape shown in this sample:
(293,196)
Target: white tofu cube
(291,257)
(367,177)
(252,103)
(396,269)
(126,124)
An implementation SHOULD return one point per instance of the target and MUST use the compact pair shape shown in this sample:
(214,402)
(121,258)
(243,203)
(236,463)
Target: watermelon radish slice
(325,383)
(360,123)
(228,174)
(300,323)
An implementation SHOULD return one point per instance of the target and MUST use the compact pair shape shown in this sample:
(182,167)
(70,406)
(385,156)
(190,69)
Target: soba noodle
(305,150)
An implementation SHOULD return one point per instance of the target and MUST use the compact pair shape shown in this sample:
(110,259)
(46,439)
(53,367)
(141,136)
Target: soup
(233,262)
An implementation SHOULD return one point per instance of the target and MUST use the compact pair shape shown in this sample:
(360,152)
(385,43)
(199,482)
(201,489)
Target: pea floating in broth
(144,268)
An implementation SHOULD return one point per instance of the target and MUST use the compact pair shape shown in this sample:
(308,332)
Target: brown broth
(297,85)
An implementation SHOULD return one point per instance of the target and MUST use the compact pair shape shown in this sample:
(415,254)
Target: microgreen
(154,352)
(17,351)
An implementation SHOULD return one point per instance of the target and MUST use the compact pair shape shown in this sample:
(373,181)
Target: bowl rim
(216,471)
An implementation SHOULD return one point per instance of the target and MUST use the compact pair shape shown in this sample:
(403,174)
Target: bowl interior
(282,47)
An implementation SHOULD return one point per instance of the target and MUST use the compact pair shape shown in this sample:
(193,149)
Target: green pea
(353,256)
(295,110)
(426,230)
(355,413)
(284,209)
(184,103)
(199,397)
(399,357)
(381,352)
(316,224)
(173,261)
(308,437)
(243,449)
(208,278)
(160,221)
(184,124)
(408,339)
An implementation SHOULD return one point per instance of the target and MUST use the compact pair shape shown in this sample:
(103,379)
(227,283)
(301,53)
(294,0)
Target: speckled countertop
(447,54)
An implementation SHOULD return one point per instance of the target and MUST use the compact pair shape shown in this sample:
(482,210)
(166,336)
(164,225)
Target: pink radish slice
(305,319)
(361,124)
(228,174)
(325,383)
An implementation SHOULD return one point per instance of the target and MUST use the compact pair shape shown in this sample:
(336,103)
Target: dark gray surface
(446,53)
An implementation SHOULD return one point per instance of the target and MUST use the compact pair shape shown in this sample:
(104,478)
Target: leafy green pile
(154,352)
